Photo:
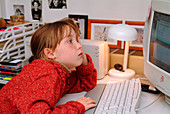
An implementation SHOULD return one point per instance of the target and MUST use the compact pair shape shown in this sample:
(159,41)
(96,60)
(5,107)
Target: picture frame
(82,22)
(18,9)
(139,26)
(36,10)
(60,5)
(97,30)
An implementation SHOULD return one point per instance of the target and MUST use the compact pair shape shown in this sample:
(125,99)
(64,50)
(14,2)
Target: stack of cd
(10,68)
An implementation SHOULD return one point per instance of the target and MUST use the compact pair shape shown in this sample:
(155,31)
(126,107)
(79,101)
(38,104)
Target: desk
(159,107)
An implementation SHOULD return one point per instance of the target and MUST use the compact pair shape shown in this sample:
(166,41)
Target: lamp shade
(122,32)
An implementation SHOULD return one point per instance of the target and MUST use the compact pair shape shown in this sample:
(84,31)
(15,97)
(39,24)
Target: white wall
(0,10)
(112,9)
(95,9)
(7,8)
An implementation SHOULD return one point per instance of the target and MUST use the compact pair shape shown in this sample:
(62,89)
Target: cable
(150,103)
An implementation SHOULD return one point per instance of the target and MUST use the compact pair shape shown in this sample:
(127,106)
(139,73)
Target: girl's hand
(85,61)
(87,102)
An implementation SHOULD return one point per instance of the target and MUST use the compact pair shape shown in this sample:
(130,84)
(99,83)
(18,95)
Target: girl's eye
(70,41)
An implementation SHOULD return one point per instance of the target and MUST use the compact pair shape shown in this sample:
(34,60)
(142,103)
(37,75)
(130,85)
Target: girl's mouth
(80,54)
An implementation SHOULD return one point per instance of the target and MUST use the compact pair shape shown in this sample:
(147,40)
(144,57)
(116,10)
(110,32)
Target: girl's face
(35,5)
(55,2)
(69,51)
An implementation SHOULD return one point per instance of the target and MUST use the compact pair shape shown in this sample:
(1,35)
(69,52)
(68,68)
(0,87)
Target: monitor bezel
(161,79)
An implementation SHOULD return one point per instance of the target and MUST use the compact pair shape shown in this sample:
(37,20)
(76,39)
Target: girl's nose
(78,45)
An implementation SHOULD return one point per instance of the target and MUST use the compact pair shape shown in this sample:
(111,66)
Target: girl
(56,49)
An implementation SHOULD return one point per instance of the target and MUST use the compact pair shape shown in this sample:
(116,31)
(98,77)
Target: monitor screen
(159,53)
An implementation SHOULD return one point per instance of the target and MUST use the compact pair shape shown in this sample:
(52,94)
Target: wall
(7,8)
(0,10)
(112,9)
(95,9)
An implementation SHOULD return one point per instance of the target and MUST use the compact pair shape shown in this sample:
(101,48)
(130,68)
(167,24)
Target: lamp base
(127,74)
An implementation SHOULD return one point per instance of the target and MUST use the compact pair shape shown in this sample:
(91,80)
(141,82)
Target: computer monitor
(156,47)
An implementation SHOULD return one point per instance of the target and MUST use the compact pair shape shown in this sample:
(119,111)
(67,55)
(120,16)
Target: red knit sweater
(41,84)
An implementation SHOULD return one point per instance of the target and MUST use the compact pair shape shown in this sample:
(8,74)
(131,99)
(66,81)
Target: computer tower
(99,52)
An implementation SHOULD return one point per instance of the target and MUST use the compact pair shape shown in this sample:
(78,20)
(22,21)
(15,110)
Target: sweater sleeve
(42,96)
(85,76)
(71,107)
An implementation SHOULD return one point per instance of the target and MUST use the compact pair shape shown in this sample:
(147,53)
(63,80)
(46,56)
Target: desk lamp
(125,33)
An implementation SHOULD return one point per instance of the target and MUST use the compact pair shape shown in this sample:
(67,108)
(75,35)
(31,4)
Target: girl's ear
(49,53)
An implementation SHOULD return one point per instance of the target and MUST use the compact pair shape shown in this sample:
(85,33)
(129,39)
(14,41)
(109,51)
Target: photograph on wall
(139,40)
(36,9)
(18,9)
(82,23)
(139,26)
(98,30)
(57,4)
(138,43)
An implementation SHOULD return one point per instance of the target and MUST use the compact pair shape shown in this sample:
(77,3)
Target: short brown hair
(49,35)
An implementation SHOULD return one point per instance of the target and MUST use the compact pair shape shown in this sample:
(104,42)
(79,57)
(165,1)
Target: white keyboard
(119,98)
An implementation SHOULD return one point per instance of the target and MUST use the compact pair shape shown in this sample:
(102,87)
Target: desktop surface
(158,107)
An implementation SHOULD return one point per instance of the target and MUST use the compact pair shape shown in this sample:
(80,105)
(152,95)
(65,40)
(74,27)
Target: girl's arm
(41,97)
(84,78)
(71,107)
